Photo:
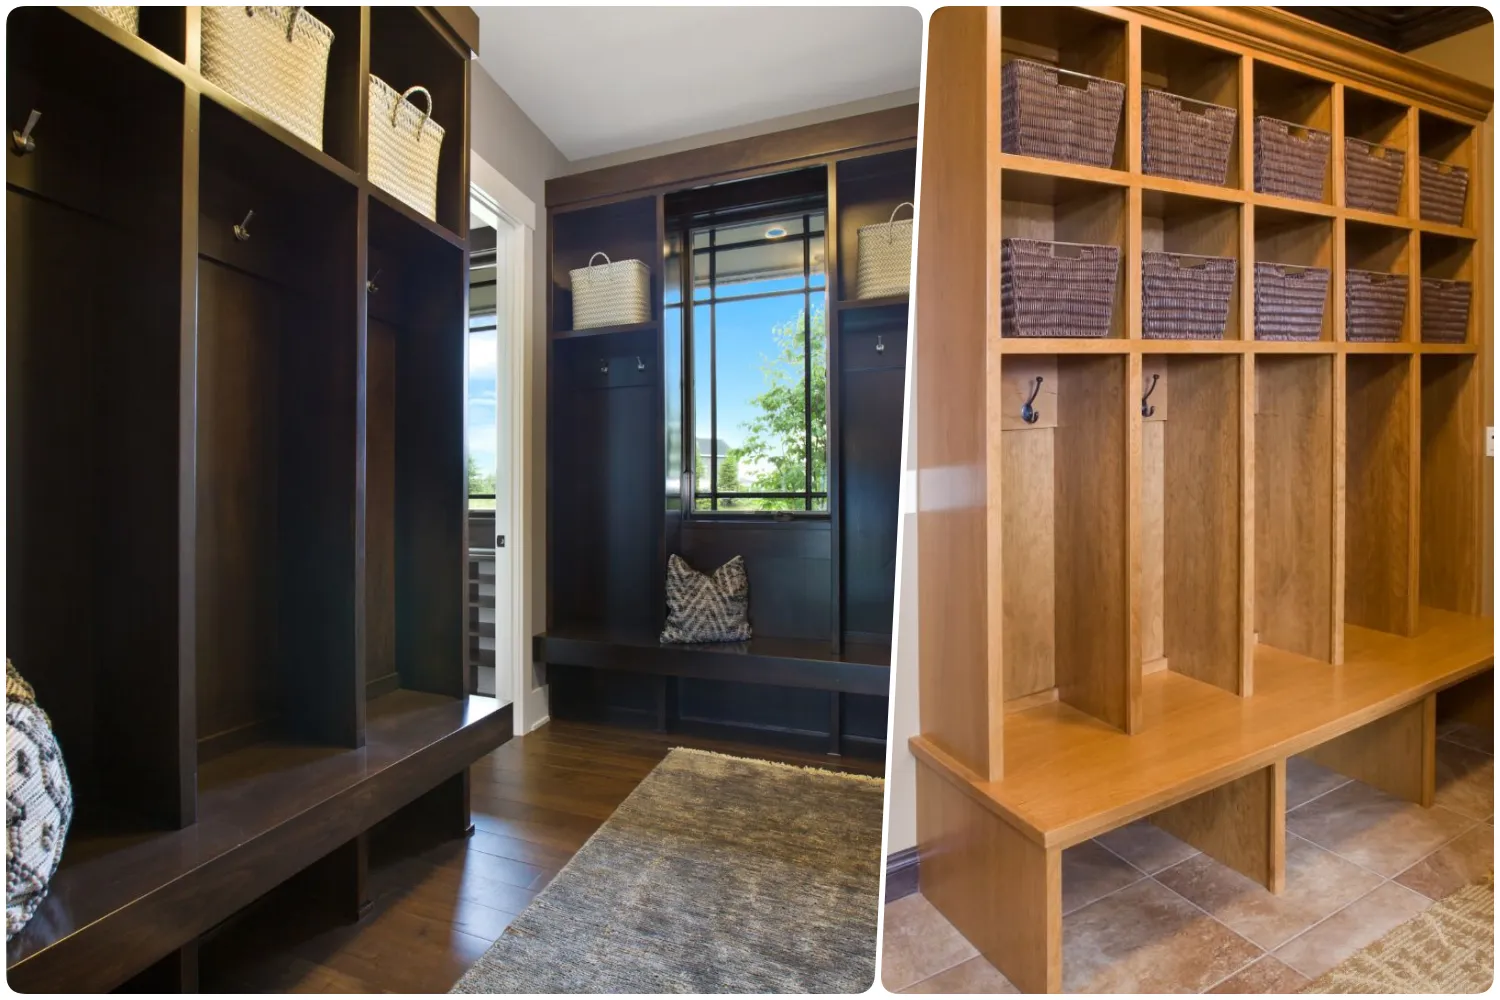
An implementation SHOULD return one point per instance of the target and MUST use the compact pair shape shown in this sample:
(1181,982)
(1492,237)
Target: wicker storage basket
(1059,114)
(1056,289)
(1444,190)
(1289,301)
(1375,305)
(1186,139)
(1372,176)
(405,146)
(1185,297)
(128,18)
(275,59)
(1290,160)
(1445,311)
(885,257)
(610,294)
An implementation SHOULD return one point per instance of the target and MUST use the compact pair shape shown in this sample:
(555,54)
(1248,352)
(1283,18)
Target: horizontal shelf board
(1193,189)
(308,151)
(411,215)
(1400,347)
(1295,205)
(883,302)
(131,43)
(1065,345)
(1378,218)
(1062,168)
(1069,777)
(1449,348)
(605,331)
(255,807)
(1445,229)
(1192,346)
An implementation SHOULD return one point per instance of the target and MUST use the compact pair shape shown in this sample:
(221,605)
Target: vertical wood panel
(1379,483)
(1241,823)
(1396,754)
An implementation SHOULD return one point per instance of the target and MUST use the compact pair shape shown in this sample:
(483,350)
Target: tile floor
(1145,913)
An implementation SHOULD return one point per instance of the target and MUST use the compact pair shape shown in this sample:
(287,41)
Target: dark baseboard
(901,874)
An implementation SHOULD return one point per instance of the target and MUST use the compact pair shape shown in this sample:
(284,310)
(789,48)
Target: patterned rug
(1448,948)
(716,875)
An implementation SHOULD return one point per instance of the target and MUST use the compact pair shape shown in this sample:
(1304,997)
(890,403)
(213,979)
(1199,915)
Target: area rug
(1447,948)
(716,875)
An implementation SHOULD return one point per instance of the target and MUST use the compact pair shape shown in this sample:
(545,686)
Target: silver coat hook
(1029,413)
(242,231)
(880,344)
(21,141)
(603,367)
(1149,411)
(370,285)
(640,365)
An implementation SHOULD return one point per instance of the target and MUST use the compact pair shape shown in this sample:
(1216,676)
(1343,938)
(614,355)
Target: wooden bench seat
(120,903)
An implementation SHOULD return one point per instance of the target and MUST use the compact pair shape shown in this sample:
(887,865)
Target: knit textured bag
(275,59)
(615,293)
(885,257)
(405,146)
(38,803)
(703,607)
(128,18)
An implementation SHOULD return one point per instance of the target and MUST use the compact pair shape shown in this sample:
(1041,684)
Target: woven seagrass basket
(1186,139)
(275,59)
(885,257)
(1056,289)
(1444,189)
(405,146)
(1445,311)
(1374,305)
(1185,297)
(1290,160)
(1372,176)
(614,293)
(128,18)
(1058,114)
(1289,301)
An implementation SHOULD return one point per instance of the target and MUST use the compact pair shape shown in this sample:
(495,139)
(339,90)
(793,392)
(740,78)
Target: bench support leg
(1001,890)
(1241,823)
(835,723)
(176,973)
(1397,754)
(453,795)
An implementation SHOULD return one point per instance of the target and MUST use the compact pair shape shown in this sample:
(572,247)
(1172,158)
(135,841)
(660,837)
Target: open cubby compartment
(623,230)
(1065,573)
(868,189)
(1200,227)
(872,388)
(93,408)
(1294,97)
(1449,258)
(1294,508)
(163,28)
(606,493)
(1386,250)
(408,49)
(1453,142)
(277,444)
(1380,493)
(1452,486)
(1198,72)
(342,98)
(1191,619)
(1044,207)
(415,552)
(1299,239)
(1385,123)
(1071,38)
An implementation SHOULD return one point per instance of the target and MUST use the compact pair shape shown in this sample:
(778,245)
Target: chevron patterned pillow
(38,803)
(707,608)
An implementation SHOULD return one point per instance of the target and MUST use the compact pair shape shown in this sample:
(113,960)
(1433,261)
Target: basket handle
(405,99)
(890,236)
(291,21)
(601,253)
(1445,168)
(1188,262)
(1199,108)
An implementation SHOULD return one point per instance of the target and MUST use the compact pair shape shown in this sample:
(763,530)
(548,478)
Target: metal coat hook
(1029,413)
(242,231)
(640,365)
(1149,411)
(21,141)
(603,367)
(370,285)
(880,344)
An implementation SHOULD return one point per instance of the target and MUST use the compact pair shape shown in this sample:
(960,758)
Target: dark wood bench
(811,664)
(123,904)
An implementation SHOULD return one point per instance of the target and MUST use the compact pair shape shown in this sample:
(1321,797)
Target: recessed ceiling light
(775,233)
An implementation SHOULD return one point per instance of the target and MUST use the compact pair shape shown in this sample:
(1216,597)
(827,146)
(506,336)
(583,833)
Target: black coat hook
(242,231)
(1029,413)
(21,141)
(1149,411)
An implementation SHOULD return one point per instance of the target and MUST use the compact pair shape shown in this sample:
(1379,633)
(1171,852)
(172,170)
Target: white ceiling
(599,80)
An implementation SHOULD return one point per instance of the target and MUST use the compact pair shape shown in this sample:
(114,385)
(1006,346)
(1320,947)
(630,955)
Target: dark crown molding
(1398,28)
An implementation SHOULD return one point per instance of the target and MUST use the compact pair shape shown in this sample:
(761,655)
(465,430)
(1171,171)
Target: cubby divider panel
(1452,529)
(1063,527)
(94,346)
(276,445)
(1379,490)
(1294,524)
(415,493)
(623,230)
(1191,617)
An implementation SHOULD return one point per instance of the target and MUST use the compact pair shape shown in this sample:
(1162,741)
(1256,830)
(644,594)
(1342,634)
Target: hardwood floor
(438,903)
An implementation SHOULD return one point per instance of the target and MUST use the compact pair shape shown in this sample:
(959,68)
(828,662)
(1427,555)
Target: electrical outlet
(1489,442)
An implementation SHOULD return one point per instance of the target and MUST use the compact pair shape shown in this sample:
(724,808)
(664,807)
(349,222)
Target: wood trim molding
(1399,28)
(1332,52)
(464,24)
(786,148)
(901,870)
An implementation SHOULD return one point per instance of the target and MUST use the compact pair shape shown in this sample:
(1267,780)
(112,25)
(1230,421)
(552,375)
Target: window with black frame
(751,312)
